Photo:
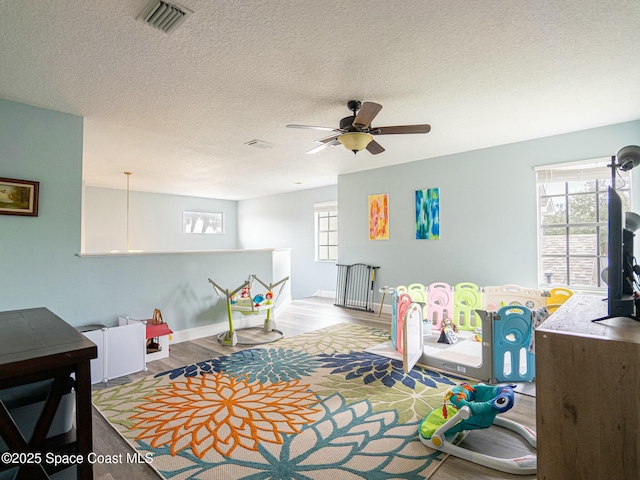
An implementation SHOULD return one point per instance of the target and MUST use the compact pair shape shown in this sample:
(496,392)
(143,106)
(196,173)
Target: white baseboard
(386,308)
(217,328)
(325,294)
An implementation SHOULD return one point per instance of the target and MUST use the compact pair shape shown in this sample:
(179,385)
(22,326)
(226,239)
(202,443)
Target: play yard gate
(354,288)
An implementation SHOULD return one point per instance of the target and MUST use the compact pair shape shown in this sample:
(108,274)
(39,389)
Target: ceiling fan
(356,133)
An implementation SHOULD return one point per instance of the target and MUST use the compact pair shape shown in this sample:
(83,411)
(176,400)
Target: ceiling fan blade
(367,113)
(401,129)
(328,139)
(313,127)
(374,148)
(322,146)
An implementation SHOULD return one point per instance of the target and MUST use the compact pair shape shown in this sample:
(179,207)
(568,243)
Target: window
(202,222)
(572,222)
(326,221)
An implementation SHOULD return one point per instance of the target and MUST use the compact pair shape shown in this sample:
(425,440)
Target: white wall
(279,221)
(155,222)
(487,210)
(287,220)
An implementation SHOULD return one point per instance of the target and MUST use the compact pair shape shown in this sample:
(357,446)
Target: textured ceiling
(176,109)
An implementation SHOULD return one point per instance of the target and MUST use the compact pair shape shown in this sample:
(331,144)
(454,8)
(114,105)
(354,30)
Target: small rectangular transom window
(203,222)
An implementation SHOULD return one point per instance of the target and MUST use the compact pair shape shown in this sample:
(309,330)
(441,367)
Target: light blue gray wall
(40,267)
(488,207)
(487,210)
(287,220)
(155,222)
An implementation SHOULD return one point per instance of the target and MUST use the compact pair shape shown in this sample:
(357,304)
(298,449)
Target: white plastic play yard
(481,333)
(250,302)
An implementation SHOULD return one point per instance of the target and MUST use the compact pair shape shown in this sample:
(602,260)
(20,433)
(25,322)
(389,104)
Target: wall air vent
(164,16)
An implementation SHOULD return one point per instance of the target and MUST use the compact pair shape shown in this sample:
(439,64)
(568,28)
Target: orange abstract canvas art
(379,217)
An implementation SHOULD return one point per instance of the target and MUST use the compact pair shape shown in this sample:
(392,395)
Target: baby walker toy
(249,304)
(474,407)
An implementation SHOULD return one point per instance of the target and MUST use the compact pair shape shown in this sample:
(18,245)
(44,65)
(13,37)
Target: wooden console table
(36,345)
(587,393)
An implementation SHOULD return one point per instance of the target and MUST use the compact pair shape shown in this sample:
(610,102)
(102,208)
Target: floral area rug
(314,406)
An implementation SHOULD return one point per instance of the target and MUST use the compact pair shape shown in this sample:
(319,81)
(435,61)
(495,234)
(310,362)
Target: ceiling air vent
(164,16)
(259,144)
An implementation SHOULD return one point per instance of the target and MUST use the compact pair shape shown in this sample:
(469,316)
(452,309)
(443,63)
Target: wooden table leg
(84,427)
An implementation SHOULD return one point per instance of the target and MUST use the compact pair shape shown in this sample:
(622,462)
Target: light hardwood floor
(299,317)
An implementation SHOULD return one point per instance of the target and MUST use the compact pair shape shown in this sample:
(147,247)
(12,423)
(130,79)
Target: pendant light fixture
(128,174)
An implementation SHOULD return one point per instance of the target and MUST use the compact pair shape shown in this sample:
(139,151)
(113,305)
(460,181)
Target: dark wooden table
(35,345)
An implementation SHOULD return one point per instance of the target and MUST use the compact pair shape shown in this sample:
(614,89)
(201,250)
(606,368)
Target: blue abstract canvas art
(428,214)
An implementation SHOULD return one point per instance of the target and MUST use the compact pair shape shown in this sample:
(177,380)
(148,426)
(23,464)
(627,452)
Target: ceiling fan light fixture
(355,141)
(355,132)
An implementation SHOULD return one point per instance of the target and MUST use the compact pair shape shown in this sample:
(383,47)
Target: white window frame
(326,233)
(597,169)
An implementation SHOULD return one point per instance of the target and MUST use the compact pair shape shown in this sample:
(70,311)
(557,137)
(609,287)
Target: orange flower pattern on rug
(220,412)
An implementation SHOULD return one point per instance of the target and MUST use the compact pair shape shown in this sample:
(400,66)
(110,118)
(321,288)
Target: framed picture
(379,216)
(18,197)
(428,214)
(203,222)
